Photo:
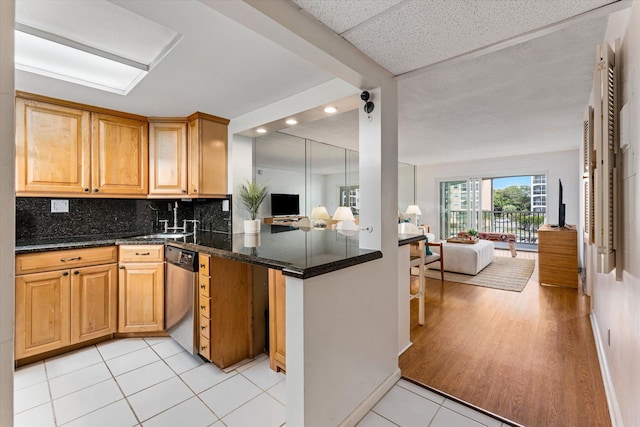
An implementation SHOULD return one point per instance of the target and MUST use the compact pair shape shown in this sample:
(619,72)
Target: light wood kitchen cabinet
(62,298)
(94,297)
(119,155)
(224,310)
(207,155)
(168,162)
(53,152)
(277,321)
(141,288)
(43,313)
(69,149)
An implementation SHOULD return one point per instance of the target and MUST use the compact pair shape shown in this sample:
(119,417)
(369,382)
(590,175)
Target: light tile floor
(153,382)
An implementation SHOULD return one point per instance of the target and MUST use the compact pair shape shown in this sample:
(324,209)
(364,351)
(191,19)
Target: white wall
(7,213)
(616,304)
(564,165)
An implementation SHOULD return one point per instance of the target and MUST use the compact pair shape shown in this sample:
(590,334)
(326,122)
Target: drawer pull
(202,286)
(203,348)
(143,253)
(201,265)
(75,273)
(66,273)
(122,267)
(203,327)
(202,307)
(77,258)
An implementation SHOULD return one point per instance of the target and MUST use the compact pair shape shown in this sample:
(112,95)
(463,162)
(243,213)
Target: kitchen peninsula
(281,250)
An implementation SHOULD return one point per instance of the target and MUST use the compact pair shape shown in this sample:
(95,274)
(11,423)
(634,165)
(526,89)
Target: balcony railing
(524,224)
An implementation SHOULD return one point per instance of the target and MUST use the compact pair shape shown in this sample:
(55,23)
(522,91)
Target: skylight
(78,42)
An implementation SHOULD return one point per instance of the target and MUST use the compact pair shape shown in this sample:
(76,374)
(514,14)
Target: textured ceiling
(405,35)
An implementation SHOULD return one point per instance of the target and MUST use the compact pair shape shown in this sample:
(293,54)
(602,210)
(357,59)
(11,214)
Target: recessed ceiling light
(292,122)
(261,130)
(330,110)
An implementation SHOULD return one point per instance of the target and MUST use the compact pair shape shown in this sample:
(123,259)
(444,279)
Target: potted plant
(473,233)
(252,195)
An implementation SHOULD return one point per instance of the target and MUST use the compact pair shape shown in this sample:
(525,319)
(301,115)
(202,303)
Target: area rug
(509,274)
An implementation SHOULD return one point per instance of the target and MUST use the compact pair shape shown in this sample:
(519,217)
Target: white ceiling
(521,90)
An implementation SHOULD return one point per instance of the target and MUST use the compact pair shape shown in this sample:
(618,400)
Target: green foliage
(252,195)
(518,196)
(472,232)
(509,208)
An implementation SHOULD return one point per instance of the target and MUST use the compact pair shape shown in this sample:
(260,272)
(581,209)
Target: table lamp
(346,222)
(414,211)
(318,215)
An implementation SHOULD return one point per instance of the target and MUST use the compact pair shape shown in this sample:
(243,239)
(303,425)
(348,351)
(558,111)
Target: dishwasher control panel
(182,258)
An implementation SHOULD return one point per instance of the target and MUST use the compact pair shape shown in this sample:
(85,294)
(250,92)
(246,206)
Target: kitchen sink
(165,236)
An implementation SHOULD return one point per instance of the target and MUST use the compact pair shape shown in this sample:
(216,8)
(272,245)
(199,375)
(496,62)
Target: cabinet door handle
(77,258)
(184,191)
(95,190)
(65,274)
(75,273)
(143,253)
(122,267)
(86,190)
(195,190)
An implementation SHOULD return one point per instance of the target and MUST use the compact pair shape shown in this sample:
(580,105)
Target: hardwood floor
(527,356)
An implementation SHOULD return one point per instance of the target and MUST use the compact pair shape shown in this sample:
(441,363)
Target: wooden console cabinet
(558,256)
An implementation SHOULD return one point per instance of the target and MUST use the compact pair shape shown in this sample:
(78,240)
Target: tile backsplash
(34,219)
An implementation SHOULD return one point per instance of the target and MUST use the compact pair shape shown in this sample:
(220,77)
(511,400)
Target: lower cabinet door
(93,302)
(277,321)
(42,312)
(141,297)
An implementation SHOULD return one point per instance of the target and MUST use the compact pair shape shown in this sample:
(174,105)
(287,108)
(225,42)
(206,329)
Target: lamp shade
(320,212)
(413,209)
(343,213)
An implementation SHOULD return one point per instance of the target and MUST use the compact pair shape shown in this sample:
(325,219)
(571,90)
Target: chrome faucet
(175,227)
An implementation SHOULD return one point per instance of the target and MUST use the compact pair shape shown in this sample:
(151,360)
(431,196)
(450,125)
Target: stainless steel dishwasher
(179,296)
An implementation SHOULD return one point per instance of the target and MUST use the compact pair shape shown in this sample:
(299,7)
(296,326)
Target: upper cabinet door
(168,158)
(120,155)
(207,155)
(52,148)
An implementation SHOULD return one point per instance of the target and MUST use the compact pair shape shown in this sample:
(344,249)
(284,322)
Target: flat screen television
(561,206)
(285,204)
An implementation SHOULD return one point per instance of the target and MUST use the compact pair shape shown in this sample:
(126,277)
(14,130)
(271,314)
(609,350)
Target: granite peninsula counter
(297,253)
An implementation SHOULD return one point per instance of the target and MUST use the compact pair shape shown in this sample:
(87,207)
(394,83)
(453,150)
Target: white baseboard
(405,348)
(361,411)
(609,390)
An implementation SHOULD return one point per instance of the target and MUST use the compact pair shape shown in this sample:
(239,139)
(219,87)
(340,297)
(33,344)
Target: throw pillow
(426,247)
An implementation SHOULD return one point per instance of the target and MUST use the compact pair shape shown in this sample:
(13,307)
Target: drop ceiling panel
(345,14)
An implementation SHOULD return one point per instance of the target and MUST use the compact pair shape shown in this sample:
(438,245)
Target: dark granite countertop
(297,253)
(405,239)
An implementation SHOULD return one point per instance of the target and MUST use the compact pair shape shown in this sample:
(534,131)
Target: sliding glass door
(460,206)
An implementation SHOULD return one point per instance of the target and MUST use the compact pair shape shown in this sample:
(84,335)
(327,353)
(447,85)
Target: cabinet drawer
(141,253)
(204,261)
(205,325)
(205,285)
(59,260)
(205,307)
(204,348)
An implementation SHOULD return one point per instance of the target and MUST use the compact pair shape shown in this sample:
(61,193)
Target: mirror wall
(320,174)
